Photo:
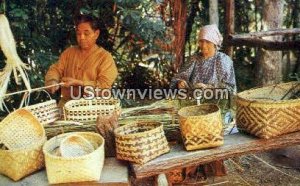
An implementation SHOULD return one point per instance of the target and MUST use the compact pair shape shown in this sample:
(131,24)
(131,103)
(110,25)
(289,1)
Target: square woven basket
(269,111)
(201,126)
(140,142)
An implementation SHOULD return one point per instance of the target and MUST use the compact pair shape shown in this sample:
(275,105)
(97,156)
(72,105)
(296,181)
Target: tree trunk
(229,20)
(179,8)
(213,12)
(269,62)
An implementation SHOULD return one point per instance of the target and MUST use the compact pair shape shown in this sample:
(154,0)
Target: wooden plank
(235,145)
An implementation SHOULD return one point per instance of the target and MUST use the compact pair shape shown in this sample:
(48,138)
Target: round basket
(23,136)
(74,169)
(20,130)
(88,110)
(201,126)
(75,145)
(269,111)
(140,142)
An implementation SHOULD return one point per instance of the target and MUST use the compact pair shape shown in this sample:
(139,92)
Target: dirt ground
(273,168)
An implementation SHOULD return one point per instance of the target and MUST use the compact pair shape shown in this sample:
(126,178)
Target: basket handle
(26,98)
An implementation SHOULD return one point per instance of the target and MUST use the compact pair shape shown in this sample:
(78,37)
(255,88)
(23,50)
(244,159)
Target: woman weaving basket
(208,69)
(84,65)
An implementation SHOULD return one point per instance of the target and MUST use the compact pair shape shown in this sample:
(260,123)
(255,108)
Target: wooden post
(229,20)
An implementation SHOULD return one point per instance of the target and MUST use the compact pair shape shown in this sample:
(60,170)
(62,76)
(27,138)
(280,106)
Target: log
(266,44)
(235,145)
(276,32)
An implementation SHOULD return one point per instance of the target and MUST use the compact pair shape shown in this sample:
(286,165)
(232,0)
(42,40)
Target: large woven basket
(140,142)
(74,169)
(201,126)
(22,138)
(46,112)
(88,110)
(263,113)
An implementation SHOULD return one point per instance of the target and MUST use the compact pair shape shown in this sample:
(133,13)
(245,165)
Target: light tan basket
(75,145)
(140,142)
(74,169)
(88,110)
(46,112)
(263,113)
(24,137)
(201,126)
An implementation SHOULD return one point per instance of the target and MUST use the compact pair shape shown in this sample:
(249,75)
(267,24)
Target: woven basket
(263,113)
(74,169)
(24,137)
(75,145)
(46,112)
(201,126)
(140,142)
(88,110)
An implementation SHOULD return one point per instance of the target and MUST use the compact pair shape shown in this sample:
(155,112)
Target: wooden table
(235,145)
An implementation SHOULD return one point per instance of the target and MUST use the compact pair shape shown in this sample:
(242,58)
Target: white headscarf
(211,33)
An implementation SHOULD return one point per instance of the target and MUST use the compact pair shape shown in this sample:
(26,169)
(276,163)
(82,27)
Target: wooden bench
(235,145)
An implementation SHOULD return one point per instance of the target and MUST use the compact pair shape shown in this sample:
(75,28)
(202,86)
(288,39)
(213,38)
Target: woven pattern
(140,142)
(75,145)
(89,110)
(20,129)
(261,111)
(74,169)
(46,112)
(24,137)
(201,126)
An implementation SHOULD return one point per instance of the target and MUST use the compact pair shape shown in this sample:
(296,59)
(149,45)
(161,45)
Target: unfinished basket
(201,126)
(74,169)
(20,129)
(263,113)
(22,138)
(140,142)
(88,110)
(75,145)
(46,112)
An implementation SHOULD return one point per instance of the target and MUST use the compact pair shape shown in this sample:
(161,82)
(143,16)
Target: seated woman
(208,69)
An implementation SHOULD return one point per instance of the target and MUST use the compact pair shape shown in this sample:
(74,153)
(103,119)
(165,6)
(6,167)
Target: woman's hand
(68,81)
(202,85)
(182,84)
(52,89)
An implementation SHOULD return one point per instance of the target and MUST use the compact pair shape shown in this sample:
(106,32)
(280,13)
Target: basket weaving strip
(17,164)
(20,130)
(201,126)
(74,169)
(270,118)
(75,145)
(89,110)
(141,142)
(46,112)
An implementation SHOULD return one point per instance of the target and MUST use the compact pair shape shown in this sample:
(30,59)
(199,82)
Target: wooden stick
(267,33)
(32,90)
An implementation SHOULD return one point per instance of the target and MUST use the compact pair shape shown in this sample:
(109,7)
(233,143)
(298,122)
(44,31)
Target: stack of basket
(74,157)
(269,111)
(201,126)
(21,137)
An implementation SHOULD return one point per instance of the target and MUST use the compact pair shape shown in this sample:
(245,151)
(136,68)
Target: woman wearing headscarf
(208,69)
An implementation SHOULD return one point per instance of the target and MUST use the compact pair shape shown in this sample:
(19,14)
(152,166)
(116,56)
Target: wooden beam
(266,44)
(229,20)
(292,31)
(235,145)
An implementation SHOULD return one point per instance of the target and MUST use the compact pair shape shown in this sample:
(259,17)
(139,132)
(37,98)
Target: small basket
(74,169)
(268,112)
(83,110)
(46,112)
(24,137)
(201,126)
(75,145)
(140,142)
